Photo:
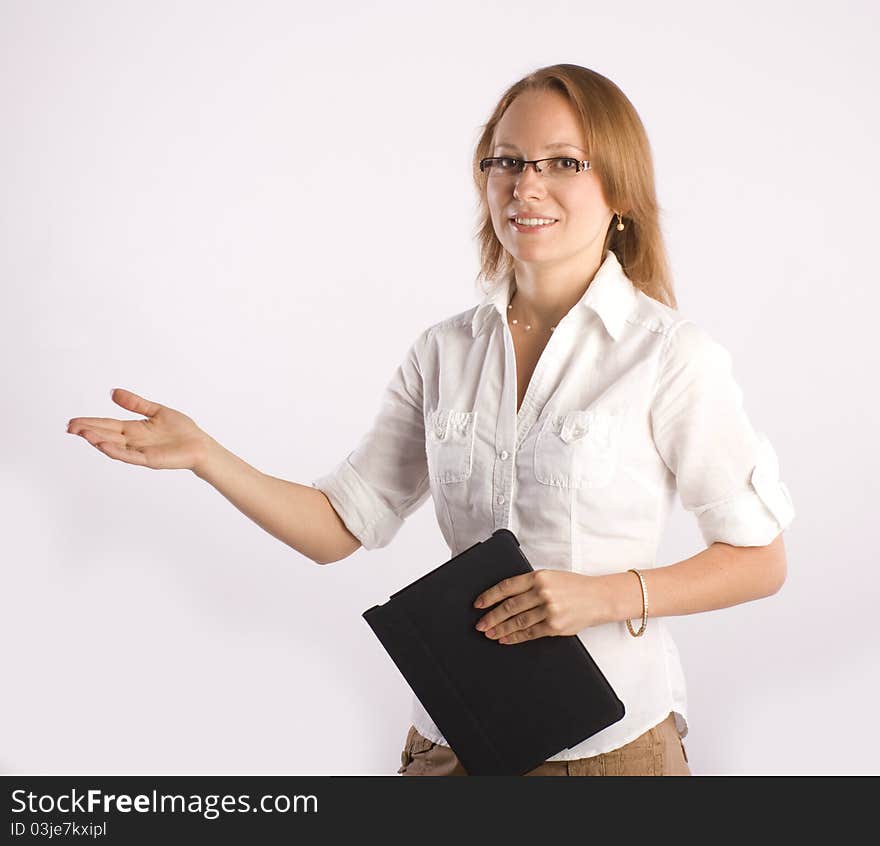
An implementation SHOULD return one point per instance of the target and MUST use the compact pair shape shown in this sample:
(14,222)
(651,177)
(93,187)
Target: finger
(506,587)
(510,607)
(135,403)
(531,633)
(96,436)
(77,424)
(106,425)
(121,453)
(522,620)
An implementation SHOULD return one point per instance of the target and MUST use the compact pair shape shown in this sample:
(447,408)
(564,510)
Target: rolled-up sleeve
(727,474)
(385,478)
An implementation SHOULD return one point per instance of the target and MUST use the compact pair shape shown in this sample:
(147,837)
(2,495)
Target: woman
(568,406)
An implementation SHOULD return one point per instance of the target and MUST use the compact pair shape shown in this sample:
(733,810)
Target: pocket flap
(575,425)
(438,424)
(598,424)
(446,421)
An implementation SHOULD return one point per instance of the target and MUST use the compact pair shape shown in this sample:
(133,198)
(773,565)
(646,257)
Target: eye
(507,163)
(566,164)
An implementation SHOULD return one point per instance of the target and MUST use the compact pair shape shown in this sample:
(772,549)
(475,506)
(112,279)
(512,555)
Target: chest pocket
(449,444)
(578,449)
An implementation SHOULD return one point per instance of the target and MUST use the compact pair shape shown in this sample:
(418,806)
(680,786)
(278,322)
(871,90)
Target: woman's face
(532,124)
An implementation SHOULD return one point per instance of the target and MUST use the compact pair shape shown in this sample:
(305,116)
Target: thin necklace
(527,326)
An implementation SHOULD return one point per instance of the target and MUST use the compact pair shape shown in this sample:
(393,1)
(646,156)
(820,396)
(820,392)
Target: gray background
(247,211)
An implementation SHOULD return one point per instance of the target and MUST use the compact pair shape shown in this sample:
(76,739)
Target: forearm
(718,577)
(298,515)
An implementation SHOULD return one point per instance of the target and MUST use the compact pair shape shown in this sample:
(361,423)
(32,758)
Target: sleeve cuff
(755,516)
(369,519)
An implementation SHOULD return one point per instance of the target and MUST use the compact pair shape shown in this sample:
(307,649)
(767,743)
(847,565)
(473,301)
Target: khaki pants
(659,751)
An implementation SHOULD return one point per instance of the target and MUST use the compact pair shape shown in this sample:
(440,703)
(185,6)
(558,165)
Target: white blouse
(628,402)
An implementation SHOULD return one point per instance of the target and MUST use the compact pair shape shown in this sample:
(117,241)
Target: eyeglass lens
(560,166)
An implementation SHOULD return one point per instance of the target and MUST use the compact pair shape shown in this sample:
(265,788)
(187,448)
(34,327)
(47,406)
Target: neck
(543,294)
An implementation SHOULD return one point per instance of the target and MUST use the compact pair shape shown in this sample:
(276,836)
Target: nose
(529,183)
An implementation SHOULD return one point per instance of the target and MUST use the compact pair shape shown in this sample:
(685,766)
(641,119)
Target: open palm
(165,440)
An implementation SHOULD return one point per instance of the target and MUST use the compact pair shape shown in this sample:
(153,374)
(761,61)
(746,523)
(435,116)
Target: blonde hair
(620,156)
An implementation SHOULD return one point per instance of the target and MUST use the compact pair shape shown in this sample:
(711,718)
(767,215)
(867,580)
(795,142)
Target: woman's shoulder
(428,337)
(680,331)
(653,316)
(461,322)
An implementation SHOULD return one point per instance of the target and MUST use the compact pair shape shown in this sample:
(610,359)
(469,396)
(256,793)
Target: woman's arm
(718,577)
(299,515)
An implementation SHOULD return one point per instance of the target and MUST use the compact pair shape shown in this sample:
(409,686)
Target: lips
(532,229)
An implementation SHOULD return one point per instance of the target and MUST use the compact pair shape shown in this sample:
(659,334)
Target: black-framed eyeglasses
(557,166)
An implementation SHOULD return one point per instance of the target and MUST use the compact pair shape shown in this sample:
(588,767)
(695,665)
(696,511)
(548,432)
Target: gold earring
(619,221)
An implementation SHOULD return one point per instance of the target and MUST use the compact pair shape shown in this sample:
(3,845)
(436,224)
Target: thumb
(134,403)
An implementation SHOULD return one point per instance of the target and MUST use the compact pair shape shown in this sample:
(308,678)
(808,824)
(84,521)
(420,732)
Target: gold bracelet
(641,630)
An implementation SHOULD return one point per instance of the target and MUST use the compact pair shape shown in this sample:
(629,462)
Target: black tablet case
(503,708)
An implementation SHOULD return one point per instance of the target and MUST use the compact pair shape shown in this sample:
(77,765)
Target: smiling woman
(567,111)
(568,406)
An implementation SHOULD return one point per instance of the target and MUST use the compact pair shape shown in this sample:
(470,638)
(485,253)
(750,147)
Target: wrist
(210,455)
(623,596)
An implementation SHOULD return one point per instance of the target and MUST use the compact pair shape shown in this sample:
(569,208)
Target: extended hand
(168,439)
(540,603)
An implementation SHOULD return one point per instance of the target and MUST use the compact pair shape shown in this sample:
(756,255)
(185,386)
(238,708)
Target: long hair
(620,157)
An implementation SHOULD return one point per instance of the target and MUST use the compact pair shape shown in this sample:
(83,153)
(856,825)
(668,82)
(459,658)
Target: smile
(532,224)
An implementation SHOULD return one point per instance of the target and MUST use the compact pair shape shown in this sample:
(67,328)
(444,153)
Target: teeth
(534,221)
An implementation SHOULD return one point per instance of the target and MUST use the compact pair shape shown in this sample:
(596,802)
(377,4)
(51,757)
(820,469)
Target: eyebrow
(549,146)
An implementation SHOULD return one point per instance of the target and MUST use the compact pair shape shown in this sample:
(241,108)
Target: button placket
(502,488)
(535,397)
(505,434)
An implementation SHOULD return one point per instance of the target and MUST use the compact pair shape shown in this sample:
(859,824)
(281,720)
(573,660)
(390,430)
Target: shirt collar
(611,295)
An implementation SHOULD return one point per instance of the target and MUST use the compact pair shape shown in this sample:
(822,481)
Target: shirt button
(501,500)
(504,455)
